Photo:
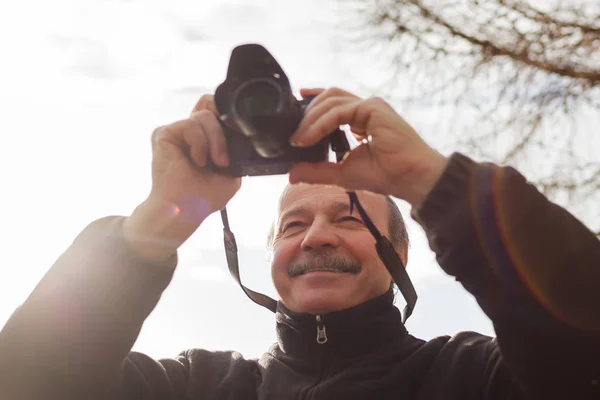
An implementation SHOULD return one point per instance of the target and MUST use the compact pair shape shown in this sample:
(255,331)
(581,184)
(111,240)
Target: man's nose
(320,234)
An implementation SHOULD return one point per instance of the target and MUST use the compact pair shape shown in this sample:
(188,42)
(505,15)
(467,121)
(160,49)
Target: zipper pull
(321,332)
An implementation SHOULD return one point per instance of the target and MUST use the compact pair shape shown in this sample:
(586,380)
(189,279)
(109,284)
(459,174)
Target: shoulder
(215,371)
(217,359)
(453,360)
(465,344)
(449,349)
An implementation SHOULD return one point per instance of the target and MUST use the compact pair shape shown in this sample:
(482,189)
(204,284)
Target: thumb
(304,92)
(326,173)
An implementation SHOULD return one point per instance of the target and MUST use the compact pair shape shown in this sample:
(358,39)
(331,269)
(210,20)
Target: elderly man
(533,268)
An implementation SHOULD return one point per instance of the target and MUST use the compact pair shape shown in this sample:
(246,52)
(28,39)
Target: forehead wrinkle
(303,210)
(297,211)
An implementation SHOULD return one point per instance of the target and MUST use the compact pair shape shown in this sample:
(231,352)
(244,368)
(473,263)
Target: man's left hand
(392,158)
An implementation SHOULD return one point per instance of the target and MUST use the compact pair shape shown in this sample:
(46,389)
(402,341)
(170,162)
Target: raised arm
(533,268)
(71,338)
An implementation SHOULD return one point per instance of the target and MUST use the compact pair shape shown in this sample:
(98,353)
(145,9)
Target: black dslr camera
(259,114)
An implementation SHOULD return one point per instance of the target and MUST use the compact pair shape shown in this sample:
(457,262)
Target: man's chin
(323,292)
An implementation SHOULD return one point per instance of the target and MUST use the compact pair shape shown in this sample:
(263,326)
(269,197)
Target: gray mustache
(324,262)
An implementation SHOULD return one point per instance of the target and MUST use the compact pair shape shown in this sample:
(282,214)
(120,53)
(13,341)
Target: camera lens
(257,98)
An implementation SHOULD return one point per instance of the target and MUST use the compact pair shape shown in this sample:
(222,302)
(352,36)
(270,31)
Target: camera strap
(384,247)
(231,253)
(392,261)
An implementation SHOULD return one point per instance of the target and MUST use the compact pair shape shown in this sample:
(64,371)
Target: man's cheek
(283,255)
(279,269)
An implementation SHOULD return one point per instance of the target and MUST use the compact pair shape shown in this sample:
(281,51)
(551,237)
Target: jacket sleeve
(71,338)
(533,268)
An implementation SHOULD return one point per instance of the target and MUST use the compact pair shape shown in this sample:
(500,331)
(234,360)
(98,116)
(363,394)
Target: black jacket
(533,268)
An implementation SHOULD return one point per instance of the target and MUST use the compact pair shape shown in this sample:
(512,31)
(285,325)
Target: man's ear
(403,254)
(404,258)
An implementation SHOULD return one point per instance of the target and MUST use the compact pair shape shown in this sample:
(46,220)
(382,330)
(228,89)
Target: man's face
(324,258)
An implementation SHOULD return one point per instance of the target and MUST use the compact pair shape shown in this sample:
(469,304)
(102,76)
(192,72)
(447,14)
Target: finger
(315,113)
(305,92)
(326,173)
(352,113)
(326,94)
(212,131)
(354,173)
(198,147)
(206,102)
(360,137)
(176,139)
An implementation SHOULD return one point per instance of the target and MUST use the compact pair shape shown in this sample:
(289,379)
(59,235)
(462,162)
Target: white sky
(82,86)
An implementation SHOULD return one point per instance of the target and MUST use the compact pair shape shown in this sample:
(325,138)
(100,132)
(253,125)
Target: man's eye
(292,224)
(351,219)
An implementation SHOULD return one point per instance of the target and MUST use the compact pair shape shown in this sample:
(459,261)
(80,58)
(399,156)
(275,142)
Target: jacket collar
(352,332)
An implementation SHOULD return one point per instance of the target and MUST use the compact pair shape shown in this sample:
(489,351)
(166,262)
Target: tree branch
(492,50)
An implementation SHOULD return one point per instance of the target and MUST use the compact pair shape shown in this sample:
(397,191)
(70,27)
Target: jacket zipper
(321,339)
(321,331)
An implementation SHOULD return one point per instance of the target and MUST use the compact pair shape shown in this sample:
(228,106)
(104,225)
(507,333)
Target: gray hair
(396,226)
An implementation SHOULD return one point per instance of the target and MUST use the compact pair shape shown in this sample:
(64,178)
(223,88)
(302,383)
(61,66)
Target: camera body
(259,113)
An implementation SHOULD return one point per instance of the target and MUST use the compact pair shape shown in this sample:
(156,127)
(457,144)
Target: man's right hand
(185,190)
